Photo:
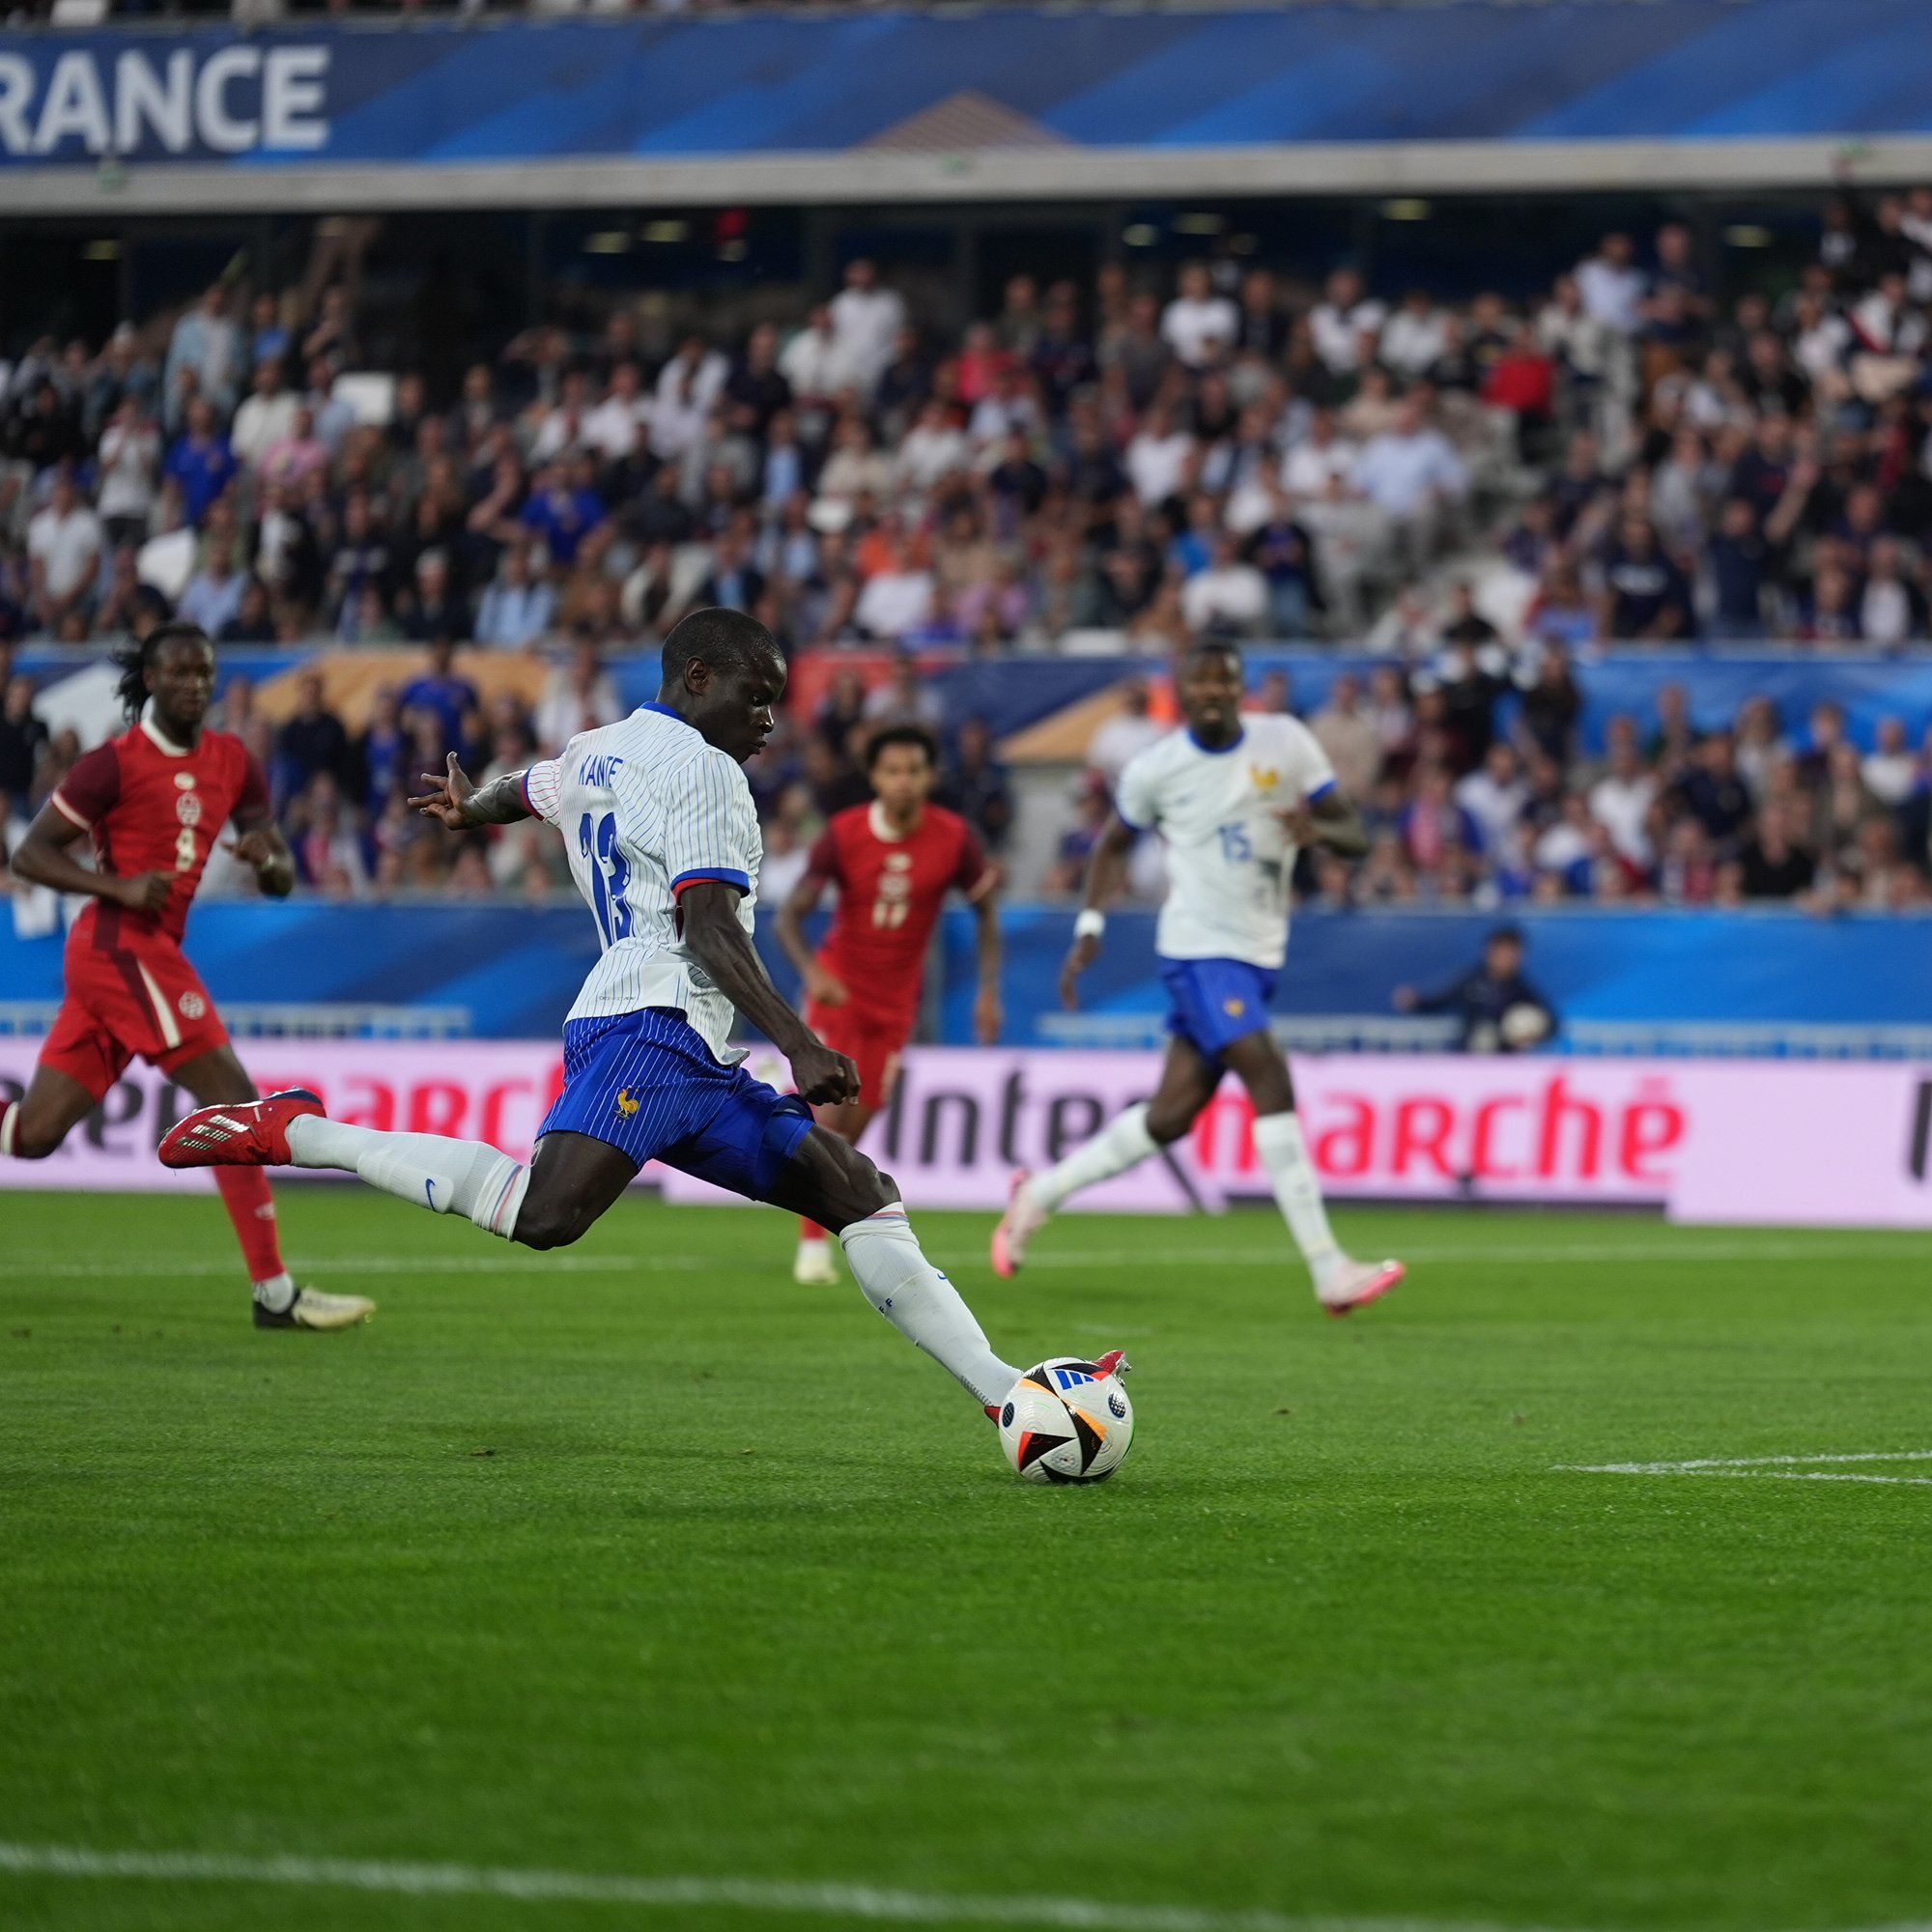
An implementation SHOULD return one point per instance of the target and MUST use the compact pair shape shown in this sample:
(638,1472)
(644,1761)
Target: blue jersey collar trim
(664,711)
(1218,751)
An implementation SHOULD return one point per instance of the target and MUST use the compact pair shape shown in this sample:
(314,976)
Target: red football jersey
(890,894)
(152,807)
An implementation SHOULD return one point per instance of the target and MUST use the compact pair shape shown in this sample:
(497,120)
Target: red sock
(251,1207)
(810,1231)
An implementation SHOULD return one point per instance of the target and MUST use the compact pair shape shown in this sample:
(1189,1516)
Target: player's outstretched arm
(988,1011)
(799,905)
(259,842)
(43,860)
(458,806)
(1106,873)
(1330,820)
(725,950)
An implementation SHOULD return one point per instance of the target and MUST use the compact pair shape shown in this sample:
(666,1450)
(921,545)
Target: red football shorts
(874,1043)
(123,1004)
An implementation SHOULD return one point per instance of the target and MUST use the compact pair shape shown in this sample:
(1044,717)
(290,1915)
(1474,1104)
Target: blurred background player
(892,862)
(1235,799)
(154,801)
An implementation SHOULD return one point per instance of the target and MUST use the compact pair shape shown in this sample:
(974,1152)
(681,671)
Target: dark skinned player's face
(1212,690)
(735,709)
(181,683)
(902,778)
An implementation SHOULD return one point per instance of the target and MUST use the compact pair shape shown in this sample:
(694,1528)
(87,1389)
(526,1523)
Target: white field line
(26,1268)
(1477,1257)
(844,1902)
(1780,1468)
(54,1267)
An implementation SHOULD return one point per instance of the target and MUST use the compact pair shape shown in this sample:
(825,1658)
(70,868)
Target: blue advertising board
(1041,79)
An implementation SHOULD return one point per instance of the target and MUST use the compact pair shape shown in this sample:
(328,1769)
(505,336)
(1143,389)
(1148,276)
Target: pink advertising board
(1721,1141)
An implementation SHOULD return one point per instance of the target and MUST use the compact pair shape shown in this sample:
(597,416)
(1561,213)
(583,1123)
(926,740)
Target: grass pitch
(638,1560)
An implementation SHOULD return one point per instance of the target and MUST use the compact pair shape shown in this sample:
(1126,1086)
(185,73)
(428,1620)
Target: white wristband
(1090,922)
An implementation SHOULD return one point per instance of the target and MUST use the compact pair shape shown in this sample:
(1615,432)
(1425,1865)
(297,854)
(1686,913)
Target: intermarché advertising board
(1741,1141)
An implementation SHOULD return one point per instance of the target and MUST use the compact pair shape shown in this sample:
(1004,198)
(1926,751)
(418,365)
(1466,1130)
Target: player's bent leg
(54,1104)
(813,1265)
(1340,1284)
(838,1187)
(574,1179)
(1187,1083)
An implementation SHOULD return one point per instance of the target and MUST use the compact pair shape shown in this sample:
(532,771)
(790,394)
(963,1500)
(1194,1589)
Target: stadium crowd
(1481,492)
(1472,779)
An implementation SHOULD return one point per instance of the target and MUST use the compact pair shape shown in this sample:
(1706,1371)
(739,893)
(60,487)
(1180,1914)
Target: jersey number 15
(609,876)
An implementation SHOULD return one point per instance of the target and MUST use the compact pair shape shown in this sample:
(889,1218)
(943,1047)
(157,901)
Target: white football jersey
(646,807)
(1230,859)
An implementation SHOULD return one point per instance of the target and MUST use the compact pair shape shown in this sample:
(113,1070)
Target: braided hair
(135,661)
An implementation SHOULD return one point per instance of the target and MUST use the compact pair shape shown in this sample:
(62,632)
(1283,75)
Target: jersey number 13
(610,874)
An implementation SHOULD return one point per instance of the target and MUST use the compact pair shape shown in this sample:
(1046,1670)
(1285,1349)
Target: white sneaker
(313,1309)
(1018,1225)
(1351,1285)
(813,1266)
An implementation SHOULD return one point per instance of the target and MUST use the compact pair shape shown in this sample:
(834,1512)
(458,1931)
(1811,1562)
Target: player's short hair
(724,639)
(133,661)
(1208,645)
(881,742)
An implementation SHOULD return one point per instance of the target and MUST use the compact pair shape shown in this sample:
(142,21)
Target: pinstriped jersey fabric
(647,806)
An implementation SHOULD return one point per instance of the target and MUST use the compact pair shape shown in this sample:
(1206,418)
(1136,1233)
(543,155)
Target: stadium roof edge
(1020,174)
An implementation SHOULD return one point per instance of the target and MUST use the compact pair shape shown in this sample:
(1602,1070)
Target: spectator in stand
(212,598)
(1612,285)
(130,473)
(443,695)
(65,547)
(866,320)
(1198,324)
(518,608)
(580,695)
(313,744)
(23,739)
(977,787)
(1413,475)
(1230,597)
(200,464)
(905,698)
(1645,597)
(1345,731)
(266,418)
(1126,735)
(1772,865)
(207,347)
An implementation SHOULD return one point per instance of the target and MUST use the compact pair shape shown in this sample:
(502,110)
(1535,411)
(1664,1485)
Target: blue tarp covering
(513,970)
(777,83)
(1014,692)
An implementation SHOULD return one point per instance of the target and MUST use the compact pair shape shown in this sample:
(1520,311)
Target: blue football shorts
(647,1084)
(1215,1002)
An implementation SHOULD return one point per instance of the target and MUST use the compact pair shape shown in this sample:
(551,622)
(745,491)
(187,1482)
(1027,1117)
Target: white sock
(1121,1143)
(10,1124)
(921,1304)
(277,1295)
(1284,1152)
(448,1177)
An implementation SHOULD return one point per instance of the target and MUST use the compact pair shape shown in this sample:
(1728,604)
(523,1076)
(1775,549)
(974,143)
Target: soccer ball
(1524,1025)
(1066,1422)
